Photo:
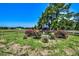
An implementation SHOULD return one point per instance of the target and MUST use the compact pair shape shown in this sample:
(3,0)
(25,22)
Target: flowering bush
(34,33)
(29,32)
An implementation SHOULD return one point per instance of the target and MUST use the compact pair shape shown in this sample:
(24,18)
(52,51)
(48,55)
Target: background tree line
(15,27)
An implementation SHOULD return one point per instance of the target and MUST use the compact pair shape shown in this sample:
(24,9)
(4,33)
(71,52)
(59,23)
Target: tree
(77,21)
(58,15)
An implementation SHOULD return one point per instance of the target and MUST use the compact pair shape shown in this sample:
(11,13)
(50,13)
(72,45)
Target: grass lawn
(59,47)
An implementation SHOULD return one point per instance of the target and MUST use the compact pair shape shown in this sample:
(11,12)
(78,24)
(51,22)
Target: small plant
(52,36)
(25,37)
(45,38)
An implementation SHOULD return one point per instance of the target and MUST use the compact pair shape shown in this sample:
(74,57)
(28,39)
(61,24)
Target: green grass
(34,43)
(56,47)
(72,41)
(61,44)
(17,37)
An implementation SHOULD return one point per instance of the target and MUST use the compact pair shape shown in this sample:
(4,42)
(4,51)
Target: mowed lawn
(57,47)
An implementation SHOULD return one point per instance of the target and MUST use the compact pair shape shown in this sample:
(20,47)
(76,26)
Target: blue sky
(26,15)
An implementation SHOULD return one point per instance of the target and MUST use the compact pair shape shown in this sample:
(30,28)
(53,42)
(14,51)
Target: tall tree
(57,15)
(77,21)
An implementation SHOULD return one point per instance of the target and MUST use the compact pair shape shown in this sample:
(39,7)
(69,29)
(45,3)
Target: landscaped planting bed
(12,43)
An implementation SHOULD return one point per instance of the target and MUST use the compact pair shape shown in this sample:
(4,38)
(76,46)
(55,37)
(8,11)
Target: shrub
(34,33)
(29,32)
(61,34)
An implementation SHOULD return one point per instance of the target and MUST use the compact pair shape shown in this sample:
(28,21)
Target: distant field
(8,38)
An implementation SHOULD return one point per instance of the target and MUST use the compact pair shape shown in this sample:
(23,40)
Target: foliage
(58,15)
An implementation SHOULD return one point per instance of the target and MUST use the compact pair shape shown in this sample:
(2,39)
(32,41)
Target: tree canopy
(58,15)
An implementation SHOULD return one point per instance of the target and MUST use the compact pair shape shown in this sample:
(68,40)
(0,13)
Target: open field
(12,43)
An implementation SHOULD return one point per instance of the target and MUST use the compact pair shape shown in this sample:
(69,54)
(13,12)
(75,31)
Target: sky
(24,14)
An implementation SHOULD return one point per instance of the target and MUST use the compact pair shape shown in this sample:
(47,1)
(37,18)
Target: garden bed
(34,47)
